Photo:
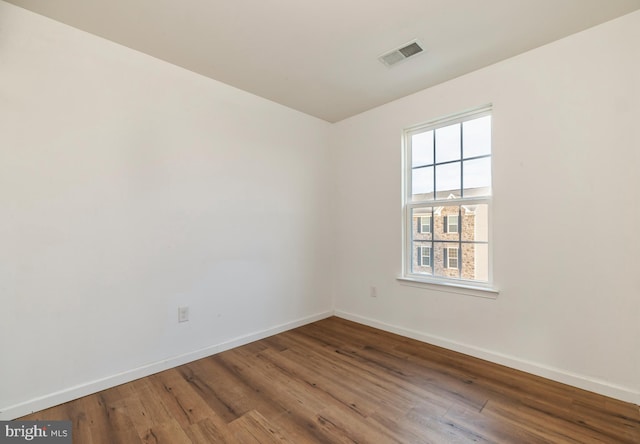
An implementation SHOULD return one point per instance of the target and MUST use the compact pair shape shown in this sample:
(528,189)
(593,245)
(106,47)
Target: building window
(451,257)
(424,224)
(448,200)
(451,224)
(424,256)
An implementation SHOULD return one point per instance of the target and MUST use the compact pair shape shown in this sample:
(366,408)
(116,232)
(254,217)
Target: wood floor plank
(77,412)
(218,386)
(484,425)
(340,364)
(335,381)
(547,427)
(180,398)
(362,388)
(144,408)
(286,393)
(210,431)
(107,419)
(255,428)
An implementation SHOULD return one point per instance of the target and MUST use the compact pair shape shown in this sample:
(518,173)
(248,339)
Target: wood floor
(335,381)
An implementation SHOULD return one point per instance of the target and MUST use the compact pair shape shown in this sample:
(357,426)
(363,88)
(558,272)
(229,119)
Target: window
(424,224)
(451,224)
(451,257)
(424,256)
(448,199)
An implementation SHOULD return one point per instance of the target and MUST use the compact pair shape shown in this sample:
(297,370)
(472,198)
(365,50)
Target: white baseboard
(576,380)
(71,393)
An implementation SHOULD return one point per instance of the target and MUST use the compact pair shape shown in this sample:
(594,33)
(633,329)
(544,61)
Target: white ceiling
(320,57)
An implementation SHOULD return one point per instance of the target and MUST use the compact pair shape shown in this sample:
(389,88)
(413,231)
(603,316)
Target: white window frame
(465,286)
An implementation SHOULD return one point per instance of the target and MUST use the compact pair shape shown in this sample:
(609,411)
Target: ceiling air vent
(399,54)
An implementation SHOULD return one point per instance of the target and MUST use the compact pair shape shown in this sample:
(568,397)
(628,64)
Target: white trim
(451,119)
(626,394)
(438,205)
(456,286)
(91,387)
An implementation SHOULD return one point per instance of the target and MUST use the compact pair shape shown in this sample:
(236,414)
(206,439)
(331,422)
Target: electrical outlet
(373,292)
(183,314)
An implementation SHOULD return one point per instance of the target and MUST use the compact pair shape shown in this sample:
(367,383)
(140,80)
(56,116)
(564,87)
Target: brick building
(451,241)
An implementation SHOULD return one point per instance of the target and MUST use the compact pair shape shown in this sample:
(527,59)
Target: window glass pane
(475,262)
(477,177)
(444,255)
(448,143)
(476,137)
(443,221)
(475,223)
(422,183)
(422,149)
(448,180)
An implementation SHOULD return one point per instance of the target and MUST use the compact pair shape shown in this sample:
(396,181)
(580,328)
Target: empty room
(320,222)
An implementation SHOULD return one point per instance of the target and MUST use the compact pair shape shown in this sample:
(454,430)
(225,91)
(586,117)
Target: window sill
(451,287)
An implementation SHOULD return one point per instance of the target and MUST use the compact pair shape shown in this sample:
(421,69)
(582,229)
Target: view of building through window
(448,199)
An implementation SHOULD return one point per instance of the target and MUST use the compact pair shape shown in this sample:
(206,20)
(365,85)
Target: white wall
(566,214)
(128,187)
